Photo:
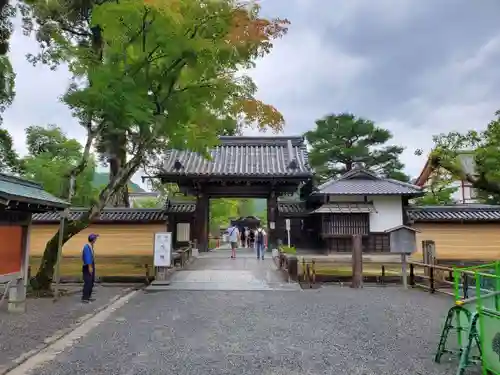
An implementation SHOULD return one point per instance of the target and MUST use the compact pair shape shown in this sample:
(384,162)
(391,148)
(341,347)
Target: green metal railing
(475,318)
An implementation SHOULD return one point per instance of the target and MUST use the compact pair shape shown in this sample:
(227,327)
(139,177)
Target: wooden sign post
(287,224)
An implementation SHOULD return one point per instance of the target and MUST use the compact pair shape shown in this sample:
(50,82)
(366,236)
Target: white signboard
(287,224)
(162,249)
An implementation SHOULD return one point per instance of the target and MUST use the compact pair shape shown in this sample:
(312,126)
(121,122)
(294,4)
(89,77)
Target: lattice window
(341,245)
(346,224)
(183,230)
(377,243)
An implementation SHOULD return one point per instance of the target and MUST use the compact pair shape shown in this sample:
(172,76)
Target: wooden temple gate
(240,167)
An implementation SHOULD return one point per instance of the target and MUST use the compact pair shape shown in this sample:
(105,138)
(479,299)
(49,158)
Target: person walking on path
(260,241)
(243,237)
(234,236)
(88,268)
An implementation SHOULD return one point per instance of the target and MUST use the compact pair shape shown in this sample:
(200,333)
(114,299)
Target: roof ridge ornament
(358,165)
(178,165)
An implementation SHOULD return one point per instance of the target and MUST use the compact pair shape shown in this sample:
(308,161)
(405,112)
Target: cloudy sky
(416,67)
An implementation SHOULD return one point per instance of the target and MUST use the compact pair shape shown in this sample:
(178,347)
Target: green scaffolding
(474,321)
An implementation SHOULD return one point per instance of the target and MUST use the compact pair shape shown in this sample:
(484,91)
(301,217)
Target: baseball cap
(93,237)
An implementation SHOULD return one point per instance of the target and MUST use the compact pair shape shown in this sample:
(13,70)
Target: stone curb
(62,332)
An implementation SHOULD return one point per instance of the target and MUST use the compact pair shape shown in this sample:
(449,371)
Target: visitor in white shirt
(234,236)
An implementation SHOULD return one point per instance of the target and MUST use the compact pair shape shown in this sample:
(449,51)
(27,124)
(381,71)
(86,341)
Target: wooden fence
(431,277)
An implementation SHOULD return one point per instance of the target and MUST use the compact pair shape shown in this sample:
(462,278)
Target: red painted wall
(11,242)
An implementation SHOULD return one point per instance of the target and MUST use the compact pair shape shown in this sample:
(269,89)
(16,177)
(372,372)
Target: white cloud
(410,65)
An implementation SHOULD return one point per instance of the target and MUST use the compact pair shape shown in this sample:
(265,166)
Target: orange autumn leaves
(254,36)
(253,33)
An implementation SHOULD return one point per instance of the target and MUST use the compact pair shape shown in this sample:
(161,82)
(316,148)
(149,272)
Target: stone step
(222,286)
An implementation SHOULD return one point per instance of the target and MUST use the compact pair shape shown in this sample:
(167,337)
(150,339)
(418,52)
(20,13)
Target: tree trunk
(43,278)
(117,158)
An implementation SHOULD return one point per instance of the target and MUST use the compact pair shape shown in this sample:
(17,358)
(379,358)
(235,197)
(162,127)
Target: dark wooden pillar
(202,207)
(357,261)
(172,226)
(272,210)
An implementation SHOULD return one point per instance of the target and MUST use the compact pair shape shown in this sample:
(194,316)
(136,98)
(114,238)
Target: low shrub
(288,250)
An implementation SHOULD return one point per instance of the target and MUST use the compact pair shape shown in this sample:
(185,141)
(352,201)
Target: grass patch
(105,265)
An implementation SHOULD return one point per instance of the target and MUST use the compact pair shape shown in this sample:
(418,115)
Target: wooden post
(429,254)
(404,271)
(202,203)
(272,207)
(412,275)
(431,280)
(357,261)
(146,268)
(293,266)
(64,215)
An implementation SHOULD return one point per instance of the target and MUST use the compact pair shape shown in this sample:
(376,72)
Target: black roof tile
(18,189)
(455,213)
(364,182)
(243,157)
(132,215)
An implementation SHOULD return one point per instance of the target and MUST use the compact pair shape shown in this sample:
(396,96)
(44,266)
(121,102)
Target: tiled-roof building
(360,202)
(19,199)
(462,233)
(258,167)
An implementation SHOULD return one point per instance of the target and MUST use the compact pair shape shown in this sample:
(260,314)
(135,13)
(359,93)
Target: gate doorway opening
(263,168)
(247,213)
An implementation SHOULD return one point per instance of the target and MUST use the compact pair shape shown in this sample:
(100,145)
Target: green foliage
(221,211)
(147,203)
(9,160)
(51,156)
(161,74)
(246,207)
(340,141)
(484,147)
(101,179)
(439,190)
(485,197)
(7,75)
(288,250)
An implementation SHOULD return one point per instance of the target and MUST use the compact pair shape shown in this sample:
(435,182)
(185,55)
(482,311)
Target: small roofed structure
(19,199)
(403,239)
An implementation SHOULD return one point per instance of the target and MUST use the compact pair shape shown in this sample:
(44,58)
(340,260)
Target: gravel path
(332,330)
(21,333)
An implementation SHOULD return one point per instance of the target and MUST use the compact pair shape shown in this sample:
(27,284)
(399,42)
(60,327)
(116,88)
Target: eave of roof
(454,213)
(122,215)
(369,184)
(28,193)
(345,208)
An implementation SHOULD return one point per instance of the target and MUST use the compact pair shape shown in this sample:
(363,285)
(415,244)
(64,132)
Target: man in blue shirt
(88,268)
